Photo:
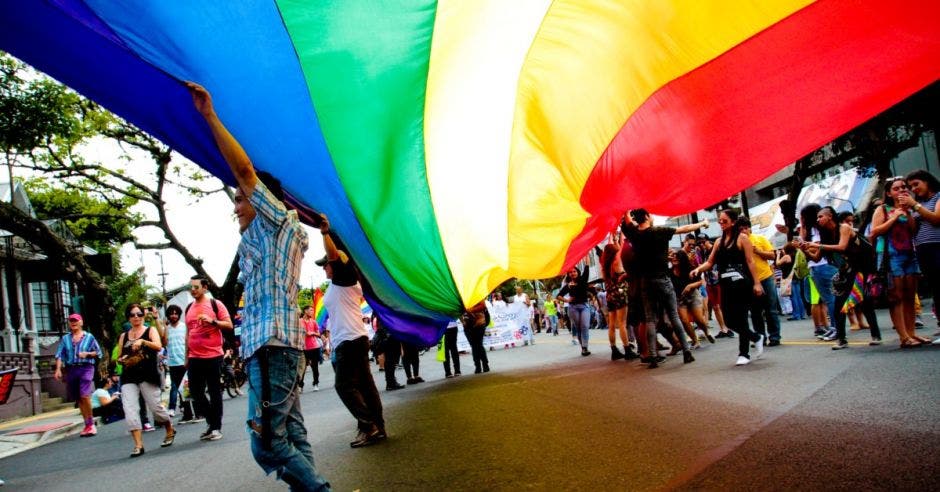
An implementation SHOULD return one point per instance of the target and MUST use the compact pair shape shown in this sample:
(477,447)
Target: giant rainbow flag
(456,143)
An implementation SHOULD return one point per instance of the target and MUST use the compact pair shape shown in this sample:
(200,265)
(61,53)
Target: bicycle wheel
(231,389)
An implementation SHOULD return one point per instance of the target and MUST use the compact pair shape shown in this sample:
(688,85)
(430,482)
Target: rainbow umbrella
(457,143)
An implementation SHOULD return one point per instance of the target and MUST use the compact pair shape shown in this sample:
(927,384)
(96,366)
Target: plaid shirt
(269,256)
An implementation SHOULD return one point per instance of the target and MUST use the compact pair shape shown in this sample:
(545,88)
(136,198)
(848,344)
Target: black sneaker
(842,344)
(629,354)
(364,439)
(585,352)
(393,387)
(710,338)
(721,334)
(687,357)
(730,334)
(773,343)
(205,435)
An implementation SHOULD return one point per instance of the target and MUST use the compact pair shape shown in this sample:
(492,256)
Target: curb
(47,437)
(11,424)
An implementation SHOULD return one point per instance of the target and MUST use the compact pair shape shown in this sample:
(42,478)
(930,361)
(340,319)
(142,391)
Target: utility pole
(162,275)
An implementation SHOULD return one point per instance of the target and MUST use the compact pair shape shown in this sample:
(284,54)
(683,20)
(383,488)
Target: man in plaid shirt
(271,249)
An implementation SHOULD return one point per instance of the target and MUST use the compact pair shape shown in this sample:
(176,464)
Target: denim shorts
(903,263)
(692,300)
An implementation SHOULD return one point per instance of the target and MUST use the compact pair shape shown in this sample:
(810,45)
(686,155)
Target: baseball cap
(75,317)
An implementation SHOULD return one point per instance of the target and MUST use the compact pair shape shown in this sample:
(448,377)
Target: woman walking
(138,349)
(615,284)
(76,355)
(575,293)
(312,345)
(688,296)
(734,256)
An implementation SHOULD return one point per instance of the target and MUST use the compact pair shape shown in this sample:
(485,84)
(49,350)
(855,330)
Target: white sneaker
(316,387)
(759,346)
(742,361)
(171,412)
(214,435)
(935,342)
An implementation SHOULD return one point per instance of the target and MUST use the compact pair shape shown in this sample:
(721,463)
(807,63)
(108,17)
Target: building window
(42,308)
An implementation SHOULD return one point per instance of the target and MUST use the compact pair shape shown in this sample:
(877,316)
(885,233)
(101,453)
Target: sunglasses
(136,314)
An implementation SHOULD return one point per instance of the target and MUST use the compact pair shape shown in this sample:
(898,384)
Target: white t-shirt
(345,321)
(524,298)
(822,260)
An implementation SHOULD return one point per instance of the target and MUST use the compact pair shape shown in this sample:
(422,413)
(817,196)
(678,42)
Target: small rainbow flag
(856,296)
(319,311)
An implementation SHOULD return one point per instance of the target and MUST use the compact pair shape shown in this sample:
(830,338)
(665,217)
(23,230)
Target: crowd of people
(647,291)
(827,271)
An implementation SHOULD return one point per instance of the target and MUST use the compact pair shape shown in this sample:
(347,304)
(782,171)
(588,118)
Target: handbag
(133,360)
(876,283)
(786,286)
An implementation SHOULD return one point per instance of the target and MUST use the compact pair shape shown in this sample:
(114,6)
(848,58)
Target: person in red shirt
(312,345)
(205,320)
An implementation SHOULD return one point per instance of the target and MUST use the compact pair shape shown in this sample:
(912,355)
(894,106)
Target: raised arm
(332,253)
(232,151)
(692,227)
(707,264)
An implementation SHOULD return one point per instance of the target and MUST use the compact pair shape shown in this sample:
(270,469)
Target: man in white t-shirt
(350,341)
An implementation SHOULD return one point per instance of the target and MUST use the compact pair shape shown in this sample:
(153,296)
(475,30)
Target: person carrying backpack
(844,248)
(205,320)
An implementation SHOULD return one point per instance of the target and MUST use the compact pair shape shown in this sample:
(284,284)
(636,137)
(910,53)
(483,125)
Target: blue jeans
(796,296)
(822,277)
(289,453)
(580,316)
(765,309)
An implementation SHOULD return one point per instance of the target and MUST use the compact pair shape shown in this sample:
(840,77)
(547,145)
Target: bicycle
(233,376)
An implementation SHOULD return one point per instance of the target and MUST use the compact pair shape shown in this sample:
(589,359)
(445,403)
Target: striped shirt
(176,344)
(68,350)
(269,255)
(926,232)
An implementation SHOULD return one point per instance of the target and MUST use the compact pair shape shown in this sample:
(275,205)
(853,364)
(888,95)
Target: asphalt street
(802,417)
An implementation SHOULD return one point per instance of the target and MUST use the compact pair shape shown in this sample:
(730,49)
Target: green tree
(126,288)
(44,128)
(102,225)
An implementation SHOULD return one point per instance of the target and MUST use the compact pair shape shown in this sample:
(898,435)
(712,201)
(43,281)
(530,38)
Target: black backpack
(860,254)
(215,309)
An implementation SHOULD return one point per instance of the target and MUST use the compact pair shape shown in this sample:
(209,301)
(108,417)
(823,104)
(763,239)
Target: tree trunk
(229,293)
(99,311)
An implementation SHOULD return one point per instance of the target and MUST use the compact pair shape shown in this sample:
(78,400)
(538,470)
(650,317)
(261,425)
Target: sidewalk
(19,435)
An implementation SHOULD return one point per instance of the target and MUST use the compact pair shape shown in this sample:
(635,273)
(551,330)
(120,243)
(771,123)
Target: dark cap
(322,261)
